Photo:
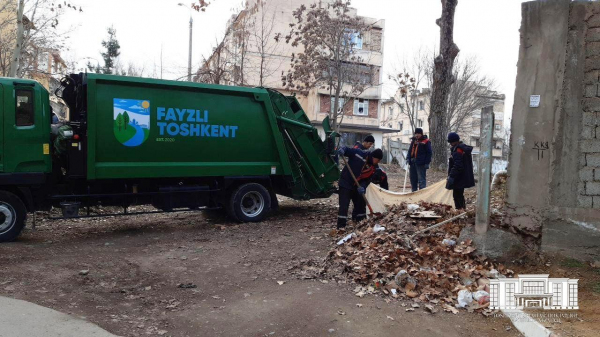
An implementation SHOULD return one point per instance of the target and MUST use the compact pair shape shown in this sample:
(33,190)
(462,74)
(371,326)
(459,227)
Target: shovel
(357,184)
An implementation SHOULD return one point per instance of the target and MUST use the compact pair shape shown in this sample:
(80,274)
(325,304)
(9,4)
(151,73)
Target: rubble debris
(186,286)
(425,215)
(435,269)
(84,272)
(346,239)
(430,308)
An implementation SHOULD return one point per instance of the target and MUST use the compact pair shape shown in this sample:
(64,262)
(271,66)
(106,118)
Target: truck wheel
(249,203)
(12,216)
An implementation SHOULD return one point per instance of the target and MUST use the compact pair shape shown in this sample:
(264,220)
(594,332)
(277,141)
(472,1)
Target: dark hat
(377,153)
(419,131)
(369,139)
(453,137)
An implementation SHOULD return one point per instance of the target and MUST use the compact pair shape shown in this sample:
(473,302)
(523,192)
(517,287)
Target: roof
(22,81)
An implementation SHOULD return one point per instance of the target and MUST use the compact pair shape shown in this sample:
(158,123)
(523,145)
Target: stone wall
(554,163)
(589,174)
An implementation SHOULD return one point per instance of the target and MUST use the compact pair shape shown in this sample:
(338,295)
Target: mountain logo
(131,121)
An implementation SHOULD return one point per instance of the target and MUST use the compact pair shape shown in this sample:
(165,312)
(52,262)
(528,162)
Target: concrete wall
(554,163)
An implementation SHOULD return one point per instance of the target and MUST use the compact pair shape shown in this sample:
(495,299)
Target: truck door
(26,148)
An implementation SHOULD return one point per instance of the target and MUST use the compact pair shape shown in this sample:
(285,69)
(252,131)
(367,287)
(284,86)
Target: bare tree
(471,92)
(329,36)
(409,81)
(217,68)
(237,44)
(442,81)
(41,33)
(200,5)
(264,44)
(7,35)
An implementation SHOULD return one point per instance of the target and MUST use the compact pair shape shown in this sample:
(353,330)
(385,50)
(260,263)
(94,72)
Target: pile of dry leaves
(430,268)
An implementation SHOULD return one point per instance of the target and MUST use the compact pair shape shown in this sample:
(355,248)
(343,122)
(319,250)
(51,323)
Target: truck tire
(249,203)
(12,216)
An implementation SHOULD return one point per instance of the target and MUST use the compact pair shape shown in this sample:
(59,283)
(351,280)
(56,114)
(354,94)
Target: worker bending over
(364,165)
(366,144)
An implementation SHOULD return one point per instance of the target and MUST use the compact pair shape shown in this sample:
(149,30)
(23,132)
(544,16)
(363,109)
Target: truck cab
(25,151)
(24,130)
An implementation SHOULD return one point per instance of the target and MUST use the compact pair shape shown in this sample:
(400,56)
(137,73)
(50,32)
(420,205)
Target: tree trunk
(14,66)
(442,81)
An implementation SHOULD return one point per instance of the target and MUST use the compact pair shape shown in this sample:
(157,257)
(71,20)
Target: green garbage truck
(173,145)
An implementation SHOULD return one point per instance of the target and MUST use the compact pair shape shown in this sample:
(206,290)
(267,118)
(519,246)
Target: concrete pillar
(484,169)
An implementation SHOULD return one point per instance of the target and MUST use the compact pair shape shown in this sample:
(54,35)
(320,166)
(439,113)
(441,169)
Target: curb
(528,326)
(25,319)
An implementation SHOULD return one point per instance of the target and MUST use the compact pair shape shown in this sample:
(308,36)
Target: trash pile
(395,254)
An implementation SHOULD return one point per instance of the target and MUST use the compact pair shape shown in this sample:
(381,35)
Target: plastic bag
(412,207)
(448,242)
(377,229)
(465,298)
(482,297)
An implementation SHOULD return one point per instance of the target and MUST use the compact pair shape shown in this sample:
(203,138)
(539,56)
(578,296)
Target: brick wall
(589,143)
(375,43)
(373,108)
(325,104)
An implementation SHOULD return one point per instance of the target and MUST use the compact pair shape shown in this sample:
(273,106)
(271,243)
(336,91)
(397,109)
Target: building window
(402,108)
(361,107)
(401,125)
(557,294)
(24,114)
(533,287)
(340,104)
(421,105)
(572,295)
(498,127)
(494,295)
(391,111)
(510,294)
(357,40)
(419,123)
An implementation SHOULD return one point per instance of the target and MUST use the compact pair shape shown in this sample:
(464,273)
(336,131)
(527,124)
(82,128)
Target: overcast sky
(487,29)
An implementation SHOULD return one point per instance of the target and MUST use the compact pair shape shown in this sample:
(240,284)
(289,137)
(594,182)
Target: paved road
(25,319)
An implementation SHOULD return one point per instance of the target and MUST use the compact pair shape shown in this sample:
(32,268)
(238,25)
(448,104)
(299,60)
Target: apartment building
(250,55)
(395,114)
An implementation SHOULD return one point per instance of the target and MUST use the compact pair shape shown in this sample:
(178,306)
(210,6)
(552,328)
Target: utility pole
(190,51)
(484,170)
(14,65)
(189,75)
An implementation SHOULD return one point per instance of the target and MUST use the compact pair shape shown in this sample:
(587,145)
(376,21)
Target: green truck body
(170,144)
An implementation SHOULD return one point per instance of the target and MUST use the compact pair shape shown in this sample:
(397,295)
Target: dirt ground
(194,274)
